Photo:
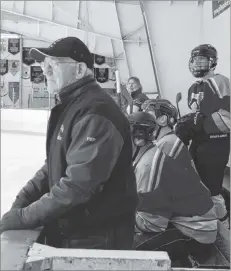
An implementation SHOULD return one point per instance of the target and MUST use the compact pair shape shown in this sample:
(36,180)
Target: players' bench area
(20,251)
(23,246)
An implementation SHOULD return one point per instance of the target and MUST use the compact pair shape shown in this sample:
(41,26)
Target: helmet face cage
(142,126)
(142,131)
(203,59)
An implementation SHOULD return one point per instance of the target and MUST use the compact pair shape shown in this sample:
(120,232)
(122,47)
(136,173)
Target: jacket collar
(136,94)
(75,89)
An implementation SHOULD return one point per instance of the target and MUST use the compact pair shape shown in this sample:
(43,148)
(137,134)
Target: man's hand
(12,220)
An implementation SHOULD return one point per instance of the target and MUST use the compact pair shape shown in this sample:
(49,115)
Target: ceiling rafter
(68,27)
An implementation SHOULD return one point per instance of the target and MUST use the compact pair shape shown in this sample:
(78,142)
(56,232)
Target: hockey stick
(122,90)
(178,99)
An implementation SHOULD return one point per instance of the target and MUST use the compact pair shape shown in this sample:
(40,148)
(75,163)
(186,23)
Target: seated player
(169,190)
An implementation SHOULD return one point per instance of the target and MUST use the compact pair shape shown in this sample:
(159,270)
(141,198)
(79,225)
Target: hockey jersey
(170,190)
(211,97)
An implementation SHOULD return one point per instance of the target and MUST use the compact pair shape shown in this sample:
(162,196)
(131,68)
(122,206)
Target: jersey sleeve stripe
(175,147)
(153,170)
(222,123)
(211,86)
(216,87)
(159,171)
(179,150)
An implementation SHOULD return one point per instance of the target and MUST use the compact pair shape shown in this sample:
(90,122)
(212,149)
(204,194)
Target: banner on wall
(13,46)
(36,74)
(112,75)
(220,6)
(101,75)
(110,61)
(4,90)
(26,59)
(3,66)
(99,60)
(14,66)
(13,91)
(39,88)
(25,72)
(3,45)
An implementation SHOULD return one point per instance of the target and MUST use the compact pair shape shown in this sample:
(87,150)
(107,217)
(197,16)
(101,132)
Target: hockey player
(166,116)
(210,97)
(169,191)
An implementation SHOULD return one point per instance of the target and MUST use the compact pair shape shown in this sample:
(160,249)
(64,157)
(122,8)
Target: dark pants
(171,241)
(117,237)
(211,158)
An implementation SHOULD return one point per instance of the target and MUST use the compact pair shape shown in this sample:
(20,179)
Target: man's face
(60,72)
(132,86)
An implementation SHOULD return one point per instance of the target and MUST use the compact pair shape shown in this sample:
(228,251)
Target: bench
(216,255)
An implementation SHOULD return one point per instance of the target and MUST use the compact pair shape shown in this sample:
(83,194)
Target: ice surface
(21,156)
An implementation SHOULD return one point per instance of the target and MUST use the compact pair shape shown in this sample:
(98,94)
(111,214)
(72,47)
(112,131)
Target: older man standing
(85,194)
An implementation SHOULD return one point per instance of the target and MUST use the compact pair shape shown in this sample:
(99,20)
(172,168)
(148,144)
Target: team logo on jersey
(196,100)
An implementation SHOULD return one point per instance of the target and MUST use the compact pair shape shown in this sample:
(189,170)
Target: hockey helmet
(203,59)
(142,125)
(161,107)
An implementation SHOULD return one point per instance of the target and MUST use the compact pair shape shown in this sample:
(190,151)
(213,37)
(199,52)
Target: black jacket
(139,98)
(88,178)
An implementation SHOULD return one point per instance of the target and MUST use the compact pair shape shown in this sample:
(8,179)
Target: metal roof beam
(69,27)
(133,32)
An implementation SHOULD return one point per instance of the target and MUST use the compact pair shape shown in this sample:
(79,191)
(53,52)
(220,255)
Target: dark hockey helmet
(142,125)
(203,59)
(162,107)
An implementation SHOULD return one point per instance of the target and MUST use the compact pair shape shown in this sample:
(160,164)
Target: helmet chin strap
(136,153)
(157,131)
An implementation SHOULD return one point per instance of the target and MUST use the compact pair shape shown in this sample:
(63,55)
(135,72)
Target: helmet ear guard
(172,121)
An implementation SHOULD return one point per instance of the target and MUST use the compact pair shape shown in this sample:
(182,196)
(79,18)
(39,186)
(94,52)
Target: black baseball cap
(67,47)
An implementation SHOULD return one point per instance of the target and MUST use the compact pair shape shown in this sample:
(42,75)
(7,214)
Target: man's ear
(81,70)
